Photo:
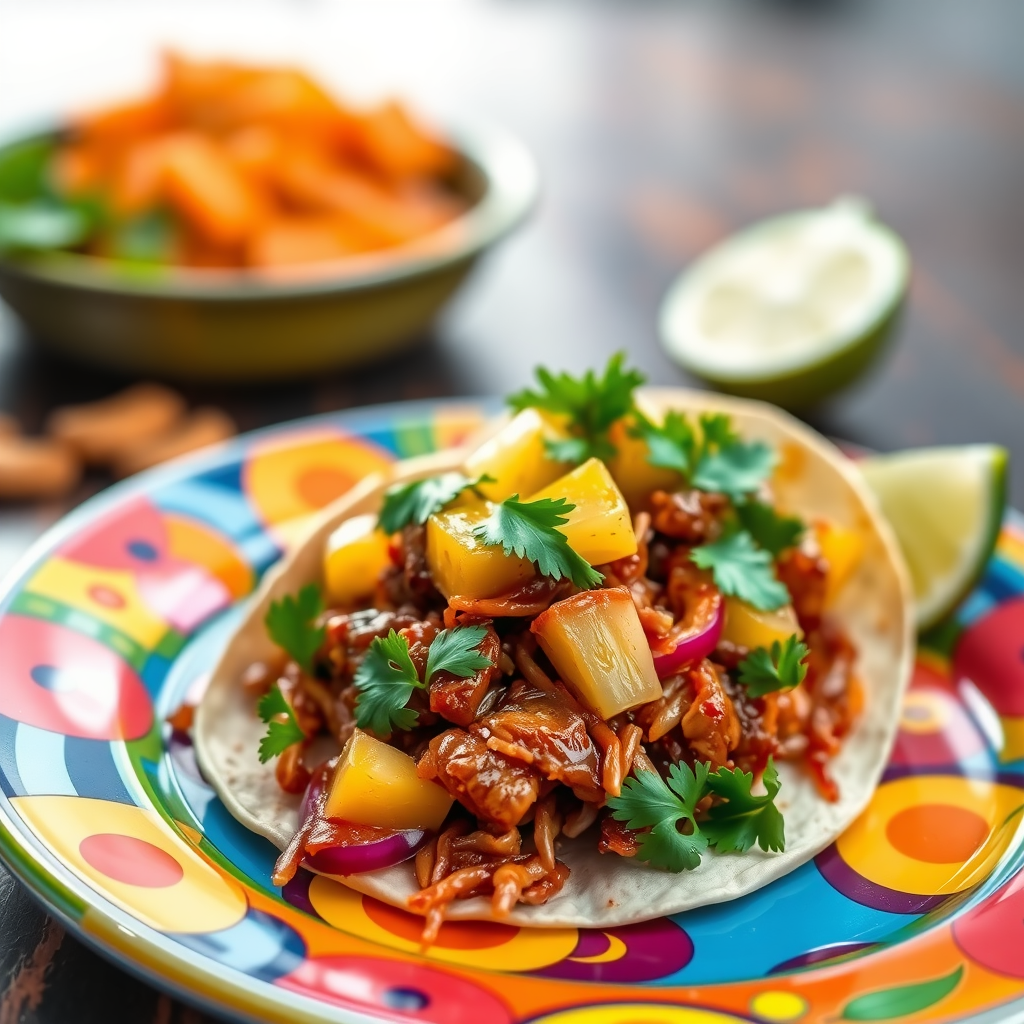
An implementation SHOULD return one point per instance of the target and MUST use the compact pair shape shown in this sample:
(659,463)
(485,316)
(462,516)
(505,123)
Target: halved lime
(792,308)
(946,506)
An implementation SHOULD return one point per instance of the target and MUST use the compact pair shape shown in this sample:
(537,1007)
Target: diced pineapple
(599,649)
(842,548)
(634,475)
(376,784)
(600,528)
(747,626)
(461,563)
(516,457)
(357,553)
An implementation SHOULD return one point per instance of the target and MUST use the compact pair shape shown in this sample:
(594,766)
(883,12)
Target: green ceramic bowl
(232,326)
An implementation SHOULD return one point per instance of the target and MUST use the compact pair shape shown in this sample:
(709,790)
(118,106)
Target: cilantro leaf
(43,224)
(742,570)
(744,819)
(527,528)
(712,459)
(672,445)
(716,430)
(590,403)
(456,651)
(784,666)
(647,801)
(735,469)
(416,502)
(387,676)
(290,623)
(771,531)
(385,680)
(569,449)
(280,734)
(688,783)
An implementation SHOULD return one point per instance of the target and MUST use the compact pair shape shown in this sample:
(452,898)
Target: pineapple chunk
(599,649)
(599,528)
(634,475)
(461,563)
(516,457)
(747,626)
(842,548)
(357,553)
(376,784)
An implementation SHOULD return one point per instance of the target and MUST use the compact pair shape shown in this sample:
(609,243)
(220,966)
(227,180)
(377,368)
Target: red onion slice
(358,847)
(372,856)
(693,648)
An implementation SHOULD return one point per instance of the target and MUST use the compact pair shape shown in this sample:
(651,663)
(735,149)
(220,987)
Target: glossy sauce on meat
(490,785)
(710,724)
(546,732)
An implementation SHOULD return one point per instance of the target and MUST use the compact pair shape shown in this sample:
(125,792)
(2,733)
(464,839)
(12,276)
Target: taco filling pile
(599,630)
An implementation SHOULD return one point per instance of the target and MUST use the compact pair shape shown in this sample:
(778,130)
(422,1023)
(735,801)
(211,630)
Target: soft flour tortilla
(813,479)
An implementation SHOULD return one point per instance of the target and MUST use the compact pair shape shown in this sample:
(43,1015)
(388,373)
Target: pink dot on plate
(106,596)
(131,861)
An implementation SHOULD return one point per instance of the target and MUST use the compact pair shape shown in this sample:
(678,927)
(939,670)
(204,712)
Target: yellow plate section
(130,856)
(467,943)
(932,834)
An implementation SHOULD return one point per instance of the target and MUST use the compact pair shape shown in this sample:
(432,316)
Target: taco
(634,654)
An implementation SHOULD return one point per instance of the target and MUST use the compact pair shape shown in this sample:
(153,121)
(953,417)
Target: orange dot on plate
(937,833)
(131,861)
(453,934)
(320,485)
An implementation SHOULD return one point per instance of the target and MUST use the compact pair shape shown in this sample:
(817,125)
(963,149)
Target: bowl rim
(511,189)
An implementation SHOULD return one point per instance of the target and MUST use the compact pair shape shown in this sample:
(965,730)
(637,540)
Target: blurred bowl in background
(228,325)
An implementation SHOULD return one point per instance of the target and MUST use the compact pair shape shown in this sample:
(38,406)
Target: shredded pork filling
(527,763)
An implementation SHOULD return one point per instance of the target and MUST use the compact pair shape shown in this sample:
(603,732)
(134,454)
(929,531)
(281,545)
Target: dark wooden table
(660,127)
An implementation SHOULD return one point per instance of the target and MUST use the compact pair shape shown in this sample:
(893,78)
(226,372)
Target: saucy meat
(490,785)
(541,729)
(458,699)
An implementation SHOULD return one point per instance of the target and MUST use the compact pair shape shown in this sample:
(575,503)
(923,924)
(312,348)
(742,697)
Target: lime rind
(946,507)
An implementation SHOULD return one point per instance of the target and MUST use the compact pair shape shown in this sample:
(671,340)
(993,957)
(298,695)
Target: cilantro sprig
(386,677)
(648,801)
(670,445)
(416,502)
(283,728)
(590,404)
(743,570)
(676,841)
(734,826)
(528,529)
(770,530)
(712,456)
(783,666)
(291,624)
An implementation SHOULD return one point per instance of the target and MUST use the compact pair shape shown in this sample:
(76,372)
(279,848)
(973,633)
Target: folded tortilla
(813,479)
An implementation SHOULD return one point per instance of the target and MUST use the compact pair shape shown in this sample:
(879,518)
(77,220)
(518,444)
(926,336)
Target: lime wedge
(946,506)
(792,308)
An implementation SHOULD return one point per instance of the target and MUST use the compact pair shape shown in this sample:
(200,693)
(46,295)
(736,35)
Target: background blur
(659,128)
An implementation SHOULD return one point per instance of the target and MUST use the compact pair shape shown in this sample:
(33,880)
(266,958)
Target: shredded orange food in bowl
(236,166)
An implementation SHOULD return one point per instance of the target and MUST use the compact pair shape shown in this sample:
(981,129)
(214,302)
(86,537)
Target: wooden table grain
(660,127)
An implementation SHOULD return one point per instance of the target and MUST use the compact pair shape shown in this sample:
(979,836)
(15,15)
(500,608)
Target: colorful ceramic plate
(916,913)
